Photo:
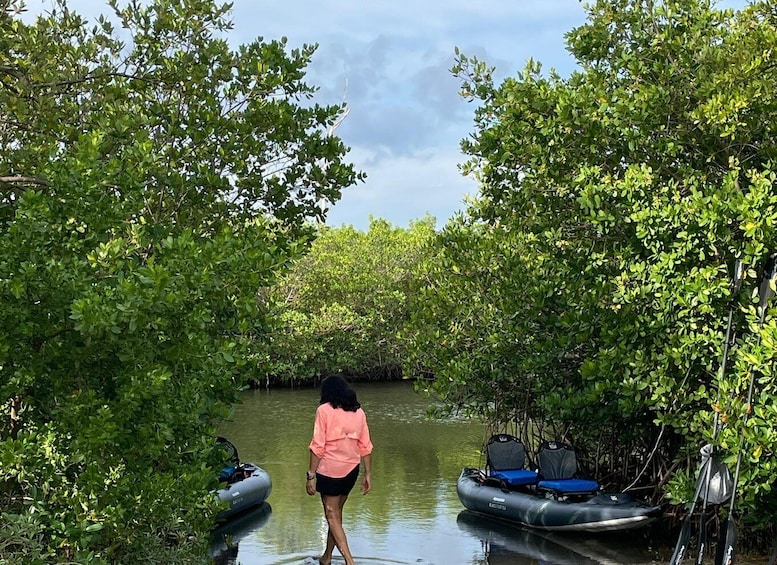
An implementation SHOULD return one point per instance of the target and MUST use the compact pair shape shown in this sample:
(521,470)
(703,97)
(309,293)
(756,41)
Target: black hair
(336,391)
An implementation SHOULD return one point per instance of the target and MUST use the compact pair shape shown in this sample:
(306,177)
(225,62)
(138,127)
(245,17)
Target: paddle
(705,471)
(726,552)
(736,285)
(685,532)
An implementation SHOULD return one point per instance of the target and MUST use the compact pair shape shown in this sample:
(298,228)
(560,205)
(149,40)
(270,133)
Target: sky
(390,62)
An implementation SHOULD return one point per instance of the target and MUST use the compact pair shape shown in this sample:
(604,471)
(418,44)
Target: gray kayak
(246,487)
(596,513)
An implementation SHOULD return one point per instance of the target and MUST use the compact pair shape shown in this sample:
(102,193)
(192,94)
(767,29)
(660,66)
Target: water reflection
(226,538)
(502,542)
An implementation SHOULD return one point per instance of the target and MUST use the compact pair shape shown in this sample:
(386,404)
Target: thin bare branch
(19,179)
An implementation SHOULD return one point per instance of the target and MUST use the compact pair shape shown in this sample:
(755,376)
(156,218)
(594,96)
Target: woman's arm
(310,484)
(367,480)
(316,448)
(313,466)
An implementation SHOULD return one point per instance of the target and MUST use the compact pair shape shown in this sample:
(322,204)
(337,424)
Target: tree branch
(19,179)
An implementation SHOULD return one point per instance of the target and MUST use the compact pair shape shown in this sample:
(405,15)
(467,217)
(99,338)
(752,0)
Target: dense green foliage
(152,180)
(342,306)
(585,294)
(156,186)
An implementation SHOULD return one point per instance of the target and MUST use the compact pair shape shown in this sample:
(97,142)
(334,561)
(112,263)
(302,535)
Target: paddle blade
(702,541)
(765,291)
(726,552)
(739,273)
(682,543)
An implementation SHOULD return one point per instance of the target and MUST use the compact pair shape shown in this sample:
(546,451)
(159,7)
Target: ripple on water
(359,559)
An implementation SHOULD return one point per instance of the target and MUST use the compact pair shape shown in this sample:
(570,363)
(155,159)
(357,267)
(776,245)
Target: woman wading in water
(341,439)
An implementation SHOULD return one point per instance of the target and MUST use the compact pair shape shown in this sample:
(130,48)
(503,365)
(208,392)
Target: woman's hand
(366,484)
(310,487)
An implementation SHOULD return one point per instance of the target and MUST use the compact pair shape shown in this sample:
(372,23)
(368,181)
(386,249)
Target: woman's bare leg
(333,510)
(326,558)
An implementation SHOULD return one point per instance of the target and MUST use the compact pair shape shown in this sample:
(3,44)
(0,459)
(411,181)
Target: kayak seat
(558,471)
(516,477)
(506,461)
(232,461)
(569,486)
(230,451)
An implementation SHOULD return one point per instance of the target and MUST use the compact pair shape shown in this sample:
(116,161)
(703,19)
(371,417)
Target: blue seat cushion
(569,486)
(225,473)
(516,477)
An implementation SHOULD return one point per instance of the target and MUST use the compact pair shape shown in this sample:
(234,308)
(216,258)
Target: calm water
(412,515)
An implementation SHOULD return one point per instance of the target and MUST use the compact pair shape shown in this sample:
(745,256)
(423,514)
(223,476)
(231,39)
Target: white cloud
(405,188)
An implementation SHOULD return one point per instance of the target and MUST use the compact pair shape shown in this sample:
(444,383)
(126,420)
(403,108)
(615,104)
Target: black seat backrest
(556,460)
(229,449)
(505,452)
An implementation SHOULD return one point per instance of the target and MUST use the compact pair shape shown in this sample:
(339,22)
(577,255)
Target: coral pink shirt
(340,439)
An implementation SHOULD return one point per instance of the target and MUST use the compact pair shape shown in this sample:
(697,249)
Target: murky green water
(412,515)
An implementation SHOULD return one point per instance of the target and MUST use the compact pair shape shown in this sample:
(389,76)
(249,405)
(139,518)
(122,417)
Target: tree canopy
(585,294)
(342,306)
(152,180)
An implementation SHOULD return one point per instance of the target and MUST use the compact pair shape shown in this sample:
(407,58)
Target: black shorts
(336,487)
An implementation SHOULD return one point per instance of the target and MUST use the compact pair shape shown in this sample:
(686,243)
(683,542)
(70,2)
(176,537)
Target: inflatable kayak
(599,512)
(243,485)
